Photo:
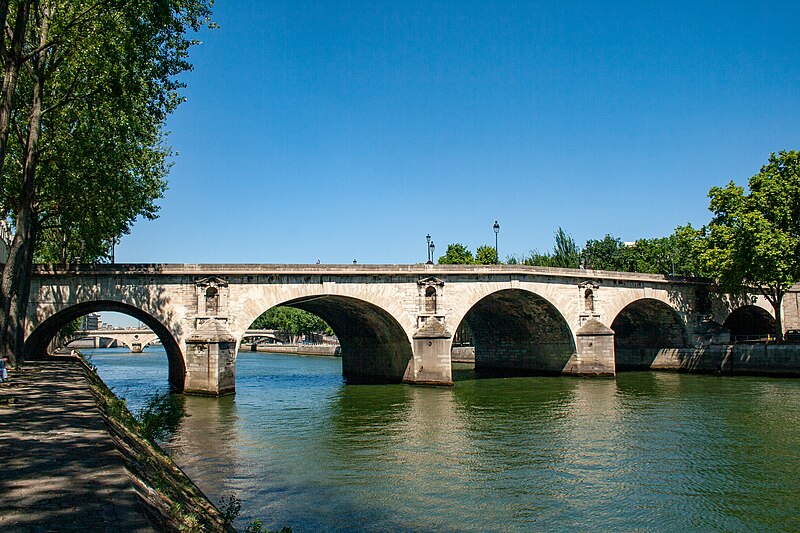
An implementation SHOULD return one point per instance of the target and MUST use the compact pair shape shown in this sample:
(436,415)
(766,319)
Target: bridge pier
(595,351)
(431,360)
(211,361)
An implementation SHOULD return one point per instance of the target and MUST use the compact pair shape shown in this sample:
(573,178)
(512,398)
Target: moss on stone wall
(172,501)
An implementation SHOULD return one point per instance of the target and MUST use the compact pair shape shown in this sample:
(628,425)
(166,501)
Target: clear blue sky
(349,130)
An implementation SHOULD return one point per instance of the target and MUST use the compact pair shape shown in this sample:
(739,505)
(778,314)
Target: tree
(603,254)
(291,320)
(753,240)
(456,254)
(566,253)
(96,80)
(676,254)
(485,255)
(534,258)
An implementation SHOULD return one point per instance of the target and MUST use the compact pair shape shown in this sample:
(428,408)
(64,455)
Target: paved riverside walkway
(59,470)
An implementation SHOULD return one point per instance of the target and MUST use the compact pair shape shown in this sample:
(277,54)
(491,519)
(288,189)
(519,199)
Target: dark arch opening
(750,323)
(37,342)
(519,332)
(643,328)
(374,346)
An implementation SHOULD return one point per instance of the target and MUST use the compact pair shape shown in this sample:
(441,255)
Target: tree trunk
(13,64)
(776,307)
(15,283)
(19,302)
(3,18)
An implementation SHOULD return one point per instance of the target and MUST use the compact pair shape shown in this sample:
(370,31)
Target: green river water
(644,451)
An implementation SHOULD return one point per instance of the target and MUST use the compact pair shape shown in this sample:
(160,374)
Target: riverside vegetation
(750,246)
(171,500)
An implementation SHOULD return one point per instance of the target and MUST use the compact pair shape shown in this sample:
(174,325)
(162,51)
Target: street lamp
(428,249)
(431,248)
(496,229)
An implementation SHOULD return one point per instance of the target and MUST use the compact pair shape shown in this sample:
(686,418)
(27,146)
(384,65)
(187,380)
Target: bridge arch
(374,346)
(642,328)
(521,331)
(749,322)
(40,338)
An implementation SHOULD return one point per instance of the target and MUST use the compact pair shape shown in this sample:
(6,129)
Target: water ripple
(647,451)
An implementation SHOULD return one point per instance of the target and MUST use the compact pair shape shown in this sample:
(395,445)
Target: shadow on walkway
(59,469)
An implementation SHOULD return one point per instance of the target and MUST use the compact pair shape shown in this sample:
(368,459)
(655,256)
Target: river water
(644,451)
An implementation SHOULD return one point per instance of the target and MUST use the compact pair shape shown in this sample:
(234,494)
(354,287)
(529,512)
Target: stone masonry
(394,322)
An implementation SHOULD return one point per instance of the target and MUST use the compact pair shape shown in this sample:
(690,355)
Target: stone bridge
(135,339)
(396,323)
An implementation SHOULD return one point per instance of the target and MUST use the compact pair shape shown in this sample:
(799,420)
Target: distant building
(5,241)
(91,321)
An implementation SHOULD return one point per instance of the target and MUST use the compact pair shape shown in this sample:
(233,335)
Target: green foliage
(161,416)
(485,255)
(117,408)
(753,240)
(604,254)
(109,83)
(291,320)
(87,157)
(457,254)
(257,526)
(186,521)
(230,508)
(565,252)
(68,331)
(677,254)
(534,258)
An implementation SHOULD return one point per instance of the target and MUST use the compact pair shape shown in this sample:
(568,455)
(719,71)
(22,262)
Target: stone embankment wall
(301,349)
(745,359)
(172,501)
(463,354)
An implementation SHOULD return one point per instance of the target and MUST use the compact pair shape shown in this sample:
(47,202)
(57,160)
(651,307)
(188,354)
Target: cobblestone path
(59,470)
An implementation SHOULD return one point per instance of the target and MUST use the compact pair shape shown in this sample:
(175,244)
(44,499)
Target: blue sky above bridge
(350,130)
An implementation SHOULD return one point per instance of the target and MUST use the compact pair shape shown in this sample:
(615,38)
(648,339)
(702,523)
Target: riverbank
(330,350)
(302,448)
(757,359)
(73,461)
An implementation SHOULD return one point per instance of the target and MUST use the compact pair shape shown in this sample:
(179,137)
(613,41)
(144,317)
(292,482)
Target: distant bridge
(135,339)
(260,336)
(396,322)
(138,339)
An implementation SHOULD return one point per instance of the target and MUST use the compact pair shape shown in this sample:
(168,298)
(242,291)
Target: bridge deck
(351,270)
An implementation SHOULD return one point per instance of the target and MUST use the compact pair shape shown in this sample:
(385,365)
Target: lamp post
(431,248)
(496,229)
(428,249)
